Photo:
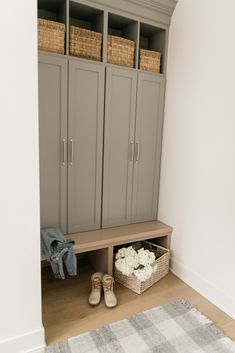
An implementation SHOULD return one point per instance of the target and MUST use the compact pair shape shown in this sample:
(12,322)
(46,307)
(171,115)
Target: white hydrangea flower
(123,267)
(146,257)
(132,260)
(123,252)
(152,257)
(144,273)
(131,251)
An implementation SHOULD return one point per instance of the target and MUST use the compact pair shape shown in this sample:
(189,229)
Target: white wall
(20,302)
(197,193)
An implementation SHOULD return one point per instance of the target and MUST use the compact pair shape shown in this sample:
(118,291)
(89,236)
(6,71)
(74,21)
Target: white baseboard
(40,350)
(205,288)
(31,342)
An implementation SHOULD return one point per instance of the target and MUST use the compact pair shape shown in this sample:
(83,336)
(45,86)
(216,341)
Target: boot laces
(108,285)
(96,283)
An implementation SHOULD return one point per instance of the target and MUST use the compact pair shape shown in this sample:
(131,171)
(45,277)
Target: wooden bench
(99,244)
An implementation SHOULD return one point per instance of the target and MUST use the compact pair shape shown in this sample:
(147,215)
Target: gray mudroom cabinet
(85,144)
(52,141)
(71,143)
(132,146)
(100,124)
(148,138)
(120,104)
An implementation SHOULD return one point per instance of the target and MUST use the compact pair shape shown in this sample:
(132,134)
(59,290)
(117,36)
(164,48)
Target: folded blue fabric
(58,251)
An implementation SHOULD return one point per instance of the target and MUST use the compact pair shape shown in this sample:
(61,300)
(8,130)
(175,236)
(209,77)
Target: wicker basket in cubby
(51,36)
(150,60)
(162,261)
(121,51)
(85,43)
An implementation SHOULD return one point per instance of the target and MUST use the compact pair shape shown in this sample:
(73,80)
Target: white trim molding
(165,6)
(154,10)
(31,342)
(40,350)
(218,297)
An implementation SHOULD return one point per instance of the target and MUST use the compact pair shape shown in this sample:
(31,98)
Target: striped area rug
(173,328)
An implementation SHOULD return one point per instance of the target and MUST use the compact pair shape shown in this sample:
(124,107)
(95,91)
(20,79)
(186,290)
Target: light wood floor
(66,312)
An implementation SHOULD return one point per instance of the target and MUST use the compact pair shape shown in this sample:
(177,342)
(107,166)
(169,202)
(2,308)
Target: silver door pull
(63,151)
(132,149)
(71,151)
(137,158)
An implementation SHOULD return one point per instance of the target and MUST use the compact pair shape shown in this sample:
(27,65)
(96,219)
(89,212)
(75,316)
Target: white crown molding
(164,6)
(154,10)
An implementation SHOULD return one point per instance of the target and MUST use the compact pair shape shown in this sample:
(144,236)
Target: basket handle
(156,245)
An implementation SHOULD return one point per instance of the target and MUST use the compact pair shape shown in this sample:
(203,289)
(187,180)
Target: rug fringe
(211,327)
(185,303)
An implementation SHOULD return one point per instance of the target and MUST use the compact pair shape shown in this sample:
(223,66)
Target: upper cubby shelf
(86,17)
(86,40)
(52,25)
(54,10)
(124,27)
(153,38)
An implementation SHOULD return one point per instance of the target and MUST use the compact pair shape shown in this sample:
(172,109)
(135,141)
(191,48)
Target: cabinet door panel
(119,133)
(52,129)
(86,99)
(149,117)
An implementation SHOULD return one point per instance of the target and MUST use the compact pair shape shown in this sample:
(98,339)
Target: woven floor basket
(85,43)
(121,51)
(51,36)
(150,60)
(162,260)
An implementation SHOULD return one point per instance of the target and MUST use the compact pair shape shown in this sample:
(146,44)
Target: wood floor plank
(66,312)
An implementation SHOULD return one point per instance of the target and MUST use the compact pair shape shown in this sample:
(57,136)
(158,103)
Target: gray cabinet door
(52,131)
(148,137)
(86,100)
(118,146)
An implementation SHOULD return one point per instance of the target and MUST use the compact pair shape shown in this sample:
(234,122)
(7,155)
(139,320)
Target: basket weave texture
(85,43)
(51,36)
(121,51)
(150,60)
(162,261)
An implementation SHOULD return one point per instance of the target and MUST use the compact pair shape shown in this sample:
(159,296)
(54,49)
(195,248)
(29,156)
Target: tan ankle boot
(95,295)
(109,296)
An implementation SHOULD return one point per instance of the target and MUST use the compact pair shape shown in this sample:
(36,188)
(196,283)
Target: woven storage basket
(150,60)
(51,36)
(162,260)
(85,43)
(121,51)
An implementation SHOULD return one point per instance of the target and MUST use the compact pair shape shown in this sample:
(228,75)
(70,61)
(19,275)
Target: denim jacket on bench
(58,251)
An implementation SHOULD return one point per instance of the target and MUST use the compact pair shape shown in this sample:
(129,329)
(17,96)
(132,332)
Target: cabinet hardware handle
(137,158)
(63,151)
(71,151)
(132,147)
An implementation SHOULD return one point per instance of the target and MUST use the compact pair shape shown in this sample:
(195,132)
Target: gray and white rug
(173,328)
